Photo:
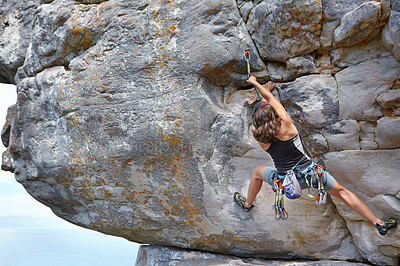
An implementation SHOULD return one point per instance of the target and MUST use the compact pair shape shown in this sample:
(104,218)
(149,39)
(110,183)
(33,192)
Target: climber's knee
(269,175)
(258,172)
(338,191)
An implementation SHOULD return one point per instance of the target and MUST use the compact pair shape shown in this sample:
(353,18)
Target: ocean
(32,246)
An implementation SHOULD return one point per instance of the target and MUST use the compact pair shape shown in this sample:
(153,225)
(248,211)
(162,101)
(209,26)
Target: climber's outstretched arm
(269,97)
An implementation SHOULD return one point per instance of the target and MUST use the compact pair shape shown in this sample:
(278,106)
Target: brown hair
(266,122)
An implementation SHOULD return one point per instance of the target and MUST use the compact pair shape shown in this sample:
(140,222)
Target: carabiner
(275,185)
(246,54)
(321,197)
(246,57)
(284,214)
(319,169)
(324,196)
(278,214)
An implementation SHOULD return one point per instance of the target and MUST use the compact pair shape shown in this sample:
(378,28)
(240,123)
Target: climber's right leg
(261,174)
(255,185)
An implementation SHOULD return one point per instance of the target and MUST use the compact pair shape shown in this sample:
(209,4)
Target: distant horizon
(37,222)
(47,242)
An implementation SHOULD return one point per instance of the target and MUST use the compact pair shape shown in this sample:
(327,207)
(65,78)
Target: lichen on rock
(133,118)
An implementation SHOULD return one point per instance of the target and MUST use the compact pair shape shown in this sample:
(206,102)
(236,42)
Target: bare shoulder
(287,131)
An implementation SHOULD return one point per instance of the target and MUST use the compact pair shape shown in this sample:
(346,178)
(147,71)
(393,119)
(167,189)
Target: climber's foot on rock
(389,224)
(241,201)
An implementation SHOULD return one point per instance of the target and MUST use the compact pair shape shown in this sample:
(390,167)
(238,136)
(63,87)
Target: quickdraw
(246,57)
(321,195)
(313,171)
(318,171)
(280,212)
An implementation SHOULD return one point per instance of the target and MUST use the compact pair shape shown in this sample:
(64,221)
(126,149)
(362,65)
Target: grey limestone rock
(395,5)
(389,99)
(344,135)
(291,69)
(133,118)
(358,24)
(285,29)
(368,145)
(359,86)
(16,29)
(156,255)
(391,35)
(388,132)
(377,187)
(333,11)
(346,56)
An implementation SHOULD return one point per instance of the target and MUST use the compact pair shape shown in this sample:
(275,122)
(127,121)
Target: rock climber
(277,135)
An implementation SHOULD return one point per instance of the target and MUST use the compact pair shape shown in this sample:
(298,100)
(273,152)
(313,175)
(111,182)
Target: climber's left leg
(354,203)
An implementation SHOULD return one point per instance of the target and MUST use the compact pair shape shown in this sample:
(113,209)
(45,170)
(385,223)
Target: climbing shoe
(240,200)
(389,224)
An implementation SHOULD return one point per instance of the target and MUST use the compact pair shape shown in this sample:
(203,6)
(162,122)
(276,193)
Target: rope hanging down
(246,57)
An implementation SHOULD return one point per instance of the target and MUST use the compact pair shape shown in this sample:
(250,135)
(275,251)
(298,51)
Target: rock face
(358,24)
(285,29)
(16,20)
(156,255)
(133,118)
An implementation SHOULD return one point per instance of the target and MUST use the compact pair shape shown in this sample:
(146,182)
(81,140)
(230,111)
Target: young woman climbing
(277,135)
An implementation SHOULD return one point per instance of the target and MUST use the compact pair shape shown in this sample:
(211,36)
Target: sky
(14,200)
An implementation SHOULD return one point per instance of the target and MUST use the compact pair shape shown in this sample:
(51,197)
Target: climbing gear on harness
(240,200)
(291,186)
(280,212)
(246,57)
(389,224)
(317,171)
(292,189)
(321,196)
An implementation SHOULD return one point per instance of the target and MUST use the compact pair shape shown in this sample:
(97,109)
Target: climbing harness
(280,212)
(315,170)
(246,57)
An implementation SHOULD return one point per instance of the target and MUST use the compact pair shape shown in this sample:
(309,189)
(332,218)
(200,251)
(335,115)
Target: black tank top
(287,154)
